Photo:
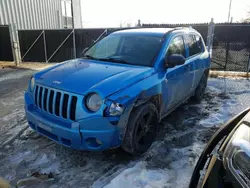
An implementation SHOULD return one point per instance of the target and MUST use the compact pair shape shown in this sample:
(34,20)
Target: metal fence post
(227,53)
(210,36)
(138,23)
(15,44)
(12,43)
(74,43)
(248,66)
(45,47)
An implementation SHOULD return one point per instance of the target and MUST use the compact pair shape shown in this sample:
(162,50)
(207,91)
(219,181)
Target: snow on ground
(168,163)
(17,75)
(176,174)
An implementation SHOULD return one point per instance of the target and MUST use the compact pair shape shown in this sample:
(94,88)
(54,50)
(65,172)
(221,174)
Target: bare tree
(247,19)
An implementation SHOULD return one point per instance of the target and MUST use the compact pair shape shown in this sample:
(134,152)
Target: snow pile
(181,162)
(229,97)
(222,112)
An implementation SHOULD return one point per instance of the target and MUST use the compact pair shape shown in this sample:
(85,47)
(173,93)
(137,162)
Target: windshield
(128,49)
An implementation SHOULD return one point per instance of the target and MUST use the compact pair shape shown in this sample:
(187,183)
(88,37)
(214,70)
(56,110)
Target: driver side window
(176,46)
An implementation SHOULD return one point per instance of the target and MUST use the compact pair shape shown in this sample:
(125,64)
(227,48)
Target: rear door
(194,59)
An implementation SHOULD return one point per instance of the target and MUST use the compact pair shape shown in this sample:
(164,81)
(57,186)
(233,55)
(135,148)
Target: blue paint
(127,84)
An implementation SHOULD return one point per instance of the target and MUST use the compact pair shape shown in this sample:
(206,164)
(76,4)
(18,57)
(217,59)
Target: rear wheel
(141,129)
(200,90)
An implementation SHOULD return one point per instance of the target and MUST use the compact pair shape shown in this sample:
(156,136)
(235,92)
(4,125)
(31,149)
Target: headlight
(32,84)
(93,102)
(237,155)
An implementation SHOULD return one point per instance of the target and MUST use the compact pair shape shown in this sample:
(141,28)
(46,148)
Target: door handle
(187,67)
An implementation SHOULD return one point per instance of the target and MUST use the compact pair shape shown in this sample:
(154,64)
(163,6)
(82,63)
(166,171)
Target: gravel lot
(168,163)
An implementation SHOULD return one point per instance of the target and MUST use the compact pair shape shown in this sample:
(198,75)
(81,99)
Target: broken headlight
(237,155)
(115,109)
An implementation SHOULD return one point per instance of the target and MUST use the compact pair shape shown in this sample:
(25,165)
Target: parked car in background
(225,160)
(118,92)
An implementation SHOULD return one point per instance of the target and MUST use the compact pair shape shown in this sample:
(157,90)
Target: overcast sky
(112,13)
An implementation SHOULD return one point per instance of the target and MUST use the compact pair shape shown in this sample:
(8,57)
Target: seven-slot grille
(56,102)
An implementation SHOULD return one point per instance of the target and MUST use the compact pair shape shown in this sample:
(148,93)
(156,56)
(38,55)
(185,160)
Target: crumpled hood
(82,76)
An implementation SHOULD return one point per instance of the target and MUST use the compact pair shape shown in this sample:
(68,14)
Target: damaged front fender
(139,93)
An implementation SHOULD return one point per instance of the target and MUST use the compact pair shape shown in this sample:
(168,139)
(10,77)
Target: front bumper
(94,134)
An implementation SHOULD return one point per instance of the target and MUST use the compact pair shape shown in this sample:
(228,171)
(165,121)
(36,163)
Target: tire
(200,90)
(142,129)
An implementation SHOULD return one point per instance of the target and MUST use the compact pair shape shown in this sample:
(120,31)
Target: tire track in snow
(14,134)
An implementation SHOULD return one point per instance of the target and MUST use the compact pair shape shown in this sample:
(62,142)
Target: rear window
(195,44)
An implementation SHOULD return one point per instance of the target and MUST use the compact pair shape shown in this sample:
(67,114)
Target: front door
(177,80)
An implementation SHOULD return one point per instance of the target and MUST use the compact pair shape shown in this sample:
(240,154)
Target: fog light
(98,141)
(93,142)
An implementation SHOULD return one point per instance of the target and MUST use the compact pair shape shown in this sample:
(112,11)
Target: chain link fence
(230,51)
(231,44)
(55,45)
(231,47)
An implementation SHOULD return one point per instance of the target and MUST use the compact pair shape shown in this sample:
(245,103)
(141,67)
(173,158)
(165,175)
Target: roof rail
(190,28)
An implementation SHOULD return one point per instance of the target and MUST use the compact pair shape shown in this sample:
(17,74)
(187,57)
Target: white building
(41,14)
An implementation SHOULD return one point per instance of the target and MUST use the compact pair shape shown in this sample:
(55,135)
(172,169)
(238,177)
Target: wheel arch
(154,99)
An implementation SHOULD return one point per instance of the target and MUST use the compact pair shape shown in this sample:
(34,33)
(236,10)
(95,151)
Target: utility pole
(229,11)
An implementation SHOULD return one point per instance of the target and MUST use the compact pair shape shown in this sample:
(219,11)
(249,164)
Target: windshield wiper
(115,60)
(107,59)
(89,57)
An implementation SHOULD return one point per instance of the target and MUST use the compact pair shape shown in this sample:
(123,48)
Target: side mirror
(174,60)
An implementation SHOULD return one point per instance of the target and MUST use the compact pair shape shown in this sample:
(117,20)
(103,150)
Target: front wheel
(141,129)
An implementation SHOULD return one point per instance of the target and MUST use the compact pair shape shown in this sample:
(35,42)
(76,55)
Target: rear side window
(195,45)
(199,43)
(176,46)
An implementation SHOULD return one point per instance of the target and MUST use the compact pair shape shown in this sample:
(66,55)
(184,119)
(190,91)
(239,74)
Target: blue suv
(118,92)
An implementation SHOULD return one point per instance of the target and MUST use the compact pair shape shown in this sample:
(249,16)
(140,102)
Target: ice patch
(15,114)
(13,101)
(16,75)
(223,112)
(139,176)
(46,164)
(215,120)
(41,160)
(178,173)
(19,157)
